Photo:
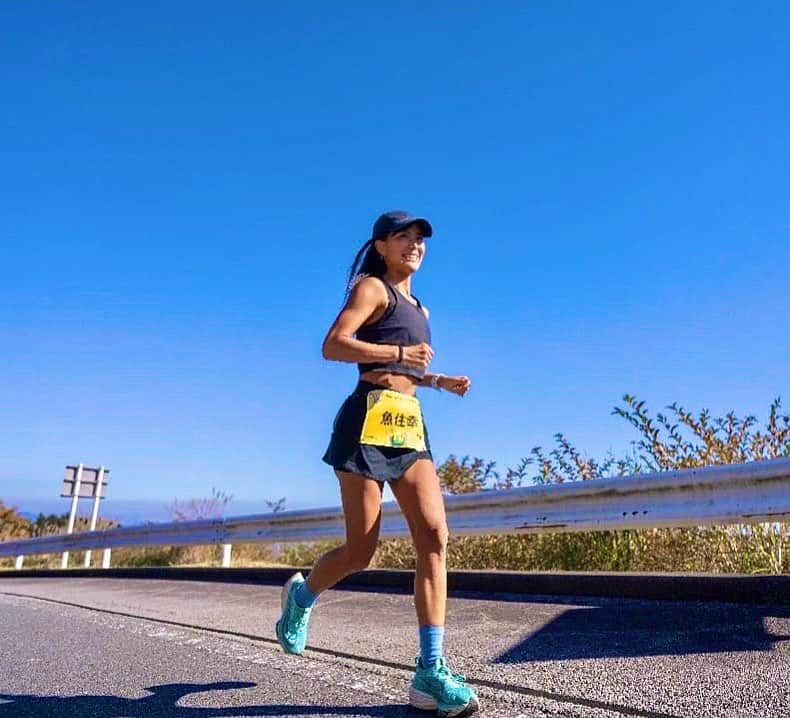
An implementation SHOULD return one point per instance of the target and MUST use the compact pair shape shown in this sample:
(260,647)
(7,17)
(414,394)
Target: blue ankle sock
(303,596)
(431,643)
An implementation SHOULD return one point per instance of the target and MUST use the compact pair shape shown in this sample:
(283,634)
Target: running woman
(379,435)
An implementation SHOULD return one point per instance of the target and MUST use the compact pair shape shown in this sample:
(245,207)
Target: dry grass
(676,439)
(716,549)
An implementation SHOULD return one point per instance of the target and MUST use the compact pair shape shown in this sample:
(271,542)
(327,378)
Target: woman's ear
(380,246)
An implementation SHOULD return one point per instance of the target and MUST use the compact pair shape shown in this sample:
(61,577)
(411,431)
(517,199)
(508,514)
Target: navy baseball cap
(395,220)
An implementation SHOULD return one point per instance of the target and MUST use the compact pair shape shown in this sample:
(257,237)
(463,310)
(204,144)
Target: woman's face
(404,249)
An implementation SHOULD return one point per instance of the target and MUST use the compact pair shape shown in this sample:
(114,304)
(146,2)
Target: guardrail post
(19,561)
(226,549)
(105,559)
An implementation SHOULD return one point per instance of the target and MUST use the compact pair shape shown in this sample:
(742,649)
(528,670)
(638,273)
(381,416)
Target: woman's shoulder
(370,289)
(369,283)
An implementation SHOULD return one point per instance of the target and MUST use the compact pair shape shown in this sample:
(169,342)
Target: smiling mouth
(409,257)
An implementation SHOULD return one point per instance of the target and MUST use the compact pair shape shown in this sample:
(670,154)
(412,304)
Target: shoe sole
(426,702)
(283,600)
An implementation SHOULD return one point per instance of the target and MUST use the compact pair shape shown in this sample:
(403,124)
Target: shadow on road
(640,629)
(162,703)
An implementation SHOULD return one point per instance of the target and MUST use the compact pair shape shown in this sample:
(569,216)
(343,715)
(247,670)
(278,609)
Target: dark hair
(367,263)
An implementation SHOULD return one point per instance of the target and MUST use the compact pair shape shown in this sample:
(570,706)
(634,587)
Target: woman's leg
(420,498)
(434,686)
(361,498)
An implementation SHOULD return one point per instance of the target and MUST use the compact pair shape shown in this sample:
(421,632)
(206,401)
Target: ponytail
(367,263)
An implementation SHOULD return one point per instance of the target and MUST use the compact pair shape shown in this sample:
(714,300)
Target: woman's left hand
(456,384)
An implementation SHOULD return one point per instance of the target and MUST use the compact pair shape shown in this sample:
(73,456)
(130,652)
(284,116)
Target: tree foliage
(680,440)
(210,507)
(465,476)
(48,524)
(13,526)
(675,439)
(276,506)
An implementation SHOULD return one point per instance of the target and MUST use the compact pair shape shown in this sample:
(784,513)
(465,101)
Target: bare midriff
(397,382)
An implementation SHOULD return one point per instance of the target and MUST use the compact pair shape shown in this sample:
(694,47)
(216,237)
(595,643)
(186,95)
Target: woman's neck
(401,282)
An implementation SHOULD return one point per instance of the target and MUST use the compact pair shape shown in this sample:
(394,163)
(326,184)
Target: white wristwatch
(435,381)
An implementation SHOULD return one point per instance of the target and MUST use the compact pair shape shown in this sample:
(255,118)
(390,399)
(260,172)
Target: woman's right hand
(417,355)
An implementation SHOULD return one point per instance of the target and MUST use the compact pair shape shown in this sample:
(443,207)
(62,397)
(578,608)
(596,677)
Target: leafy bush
(675,440)
(13,526)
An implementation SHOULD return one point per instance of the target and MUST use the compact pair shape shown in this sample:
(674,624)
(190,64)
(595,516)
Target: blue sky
(185,184)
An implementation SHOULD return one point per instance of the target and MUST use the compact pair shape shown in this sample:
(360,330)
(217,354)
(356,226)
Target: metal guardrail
(734,493)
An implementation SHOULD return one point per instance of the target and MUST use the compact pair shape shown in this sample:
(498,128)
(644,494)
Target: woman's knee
(432,538)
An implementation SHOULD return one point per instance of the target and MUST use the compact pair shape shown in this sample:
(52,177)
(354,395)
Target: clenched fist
(417,355)
(456,384)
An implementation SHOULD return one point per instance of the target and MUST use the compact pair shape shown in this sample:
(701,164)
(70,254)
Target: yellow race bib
(393,419)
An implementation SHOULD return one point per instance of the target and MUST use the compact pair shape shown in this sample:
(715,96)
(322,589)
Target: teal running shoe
(435,687)
(292,627)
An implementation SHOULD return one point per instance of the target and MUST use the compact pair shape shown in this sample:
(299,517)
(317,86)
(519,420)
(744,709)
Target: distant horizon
(127,511)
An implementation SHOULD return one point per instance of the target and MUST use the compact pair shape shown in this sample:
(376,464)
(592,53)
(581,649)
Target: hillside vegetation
(674,439)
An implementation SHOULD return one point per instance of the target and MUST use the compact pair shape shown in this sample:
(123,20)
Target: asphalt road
(111,648)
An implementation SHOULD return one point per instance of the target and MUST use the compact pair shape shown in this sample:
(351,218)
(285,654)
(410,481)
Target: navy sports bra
(401,324)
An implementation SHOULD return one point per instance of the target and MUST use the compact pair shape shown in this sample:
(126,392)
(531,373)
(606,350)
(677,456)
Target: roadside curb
(732,588)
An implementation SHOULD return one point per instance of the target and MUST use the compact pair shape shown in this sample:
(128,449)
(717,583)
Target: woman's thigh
(419,496)
(361,498)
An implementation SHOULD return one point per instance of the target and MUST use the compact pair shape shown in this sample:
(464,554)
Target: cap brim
(424,224)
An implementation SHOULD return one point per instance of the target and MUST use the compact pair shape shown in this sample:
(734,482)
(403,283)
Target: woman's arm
(456,384)
(367,298)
